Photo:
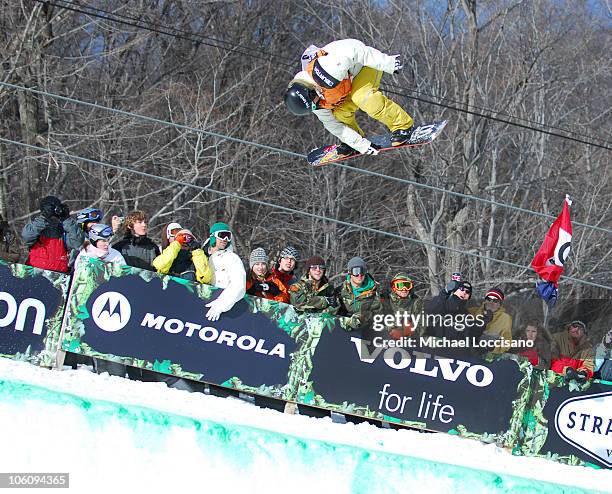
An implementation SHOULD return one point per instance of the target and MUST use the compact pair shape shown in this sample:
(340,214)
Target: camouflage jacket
(360,307)
(392,304)
(309,296)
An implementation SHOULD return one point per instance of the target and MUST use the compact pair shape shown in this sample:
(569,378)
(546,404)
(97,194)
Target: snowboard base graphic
(422,134)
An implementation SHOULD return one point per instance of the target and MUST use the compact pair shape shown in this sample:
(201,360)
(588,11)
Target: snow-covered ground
(112,433)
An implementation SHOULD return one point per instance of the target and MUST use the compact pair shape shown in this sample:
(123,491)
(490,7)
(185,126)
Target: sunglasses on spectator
(318,267)
(496,300)
(174,231)
(223,235)
(464,289)
(402,285)
(358,271)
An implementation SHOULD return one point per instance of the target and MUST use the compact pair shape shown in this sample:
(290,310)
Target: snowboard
(422,134)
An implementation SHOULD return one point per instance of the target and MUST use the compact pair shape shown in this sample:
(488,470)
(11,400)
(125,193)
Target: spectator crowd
(59,241)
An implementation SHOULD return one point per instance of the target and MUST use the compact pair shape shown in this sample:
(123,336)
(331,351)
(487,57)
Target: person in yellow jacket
(339,79)
(498,321)
(182,255)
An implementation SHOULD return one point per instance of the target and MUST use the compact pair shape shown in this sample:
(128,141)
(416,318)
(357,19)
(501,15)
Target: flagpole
(545,309)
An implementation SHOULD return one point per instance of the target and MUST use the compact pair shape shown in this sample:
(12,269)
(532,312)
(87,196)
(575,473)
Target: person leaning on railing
(400,299)
(538,351)
(261,282)
(313,292)
(359,298)
(572,353)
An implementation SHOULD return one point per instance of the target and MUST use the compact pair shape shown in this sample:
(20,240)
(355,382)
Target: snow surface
(112,433)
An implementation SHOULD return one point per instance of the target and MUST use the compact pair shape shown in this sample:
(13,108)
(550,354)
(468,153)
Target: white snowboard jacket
(229,274)
(344,59)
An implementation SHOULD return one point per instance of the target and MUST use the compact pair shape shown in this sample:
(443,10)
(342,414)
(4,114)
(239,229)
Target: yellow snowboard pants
(366,96)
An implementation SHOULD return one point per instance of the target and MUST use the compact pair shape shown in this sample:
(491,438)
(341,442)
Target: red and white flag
(550,259)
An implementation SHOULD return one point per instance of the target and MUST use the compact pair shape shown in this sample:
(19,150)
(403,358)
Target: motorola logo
(111,311)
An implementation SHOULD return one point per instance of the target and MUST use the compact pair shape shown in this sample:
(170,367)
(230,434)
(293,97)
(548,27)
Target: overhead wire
(501,120)
(286,209)
(297,155)
(249,51)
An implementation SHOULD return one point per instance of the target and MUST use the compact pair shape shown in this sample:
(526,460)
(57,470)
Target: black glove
(194,245)
(398,64)
(452,286)
(255,287)
(372,150)
(570,374)
(50,210)
(63,212)
(581,376)
(273,289)
(331,301)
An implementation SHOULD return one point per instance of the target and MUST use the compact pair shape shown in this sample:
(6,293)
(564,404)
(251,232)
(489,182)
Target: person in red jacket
(260,282)
(51,235)
(538,351)
(284,269)
(572,353)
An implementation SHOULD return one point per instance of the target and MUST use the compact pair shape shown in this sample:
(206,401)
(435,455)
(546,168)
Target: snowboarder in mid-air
(341,78)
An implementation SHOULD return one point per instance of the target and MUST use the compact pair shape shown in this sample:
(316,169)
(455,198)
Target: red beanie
(495,294)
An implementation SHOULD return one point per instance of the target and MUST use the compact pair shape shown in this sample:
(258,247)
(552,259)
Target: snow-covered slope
(111,433)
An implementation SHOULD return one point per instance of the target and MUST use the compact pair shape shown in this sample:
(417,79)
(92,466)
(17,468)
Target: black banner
(163,319)
(31,307)
(444,394)
(580,423)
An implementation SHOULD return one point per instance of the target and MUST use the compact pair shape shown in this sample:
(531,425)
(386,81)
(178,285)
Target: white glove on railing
(214,312)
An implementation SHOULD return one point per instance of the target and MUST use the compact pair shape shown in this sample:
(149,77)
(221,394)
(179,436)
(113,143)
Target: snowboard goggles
(320,267)
(401,285)
(100,232)
(223,235)
(358,271)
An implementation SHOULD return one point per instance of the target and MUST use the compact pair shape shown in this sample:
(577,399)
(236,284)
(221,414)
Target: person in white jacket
(341,78)
(228,271)
(98,246)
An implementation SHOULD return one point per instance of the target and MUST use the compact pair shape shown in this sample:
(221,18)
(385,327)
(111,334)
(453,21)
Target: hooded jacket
(229,274)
